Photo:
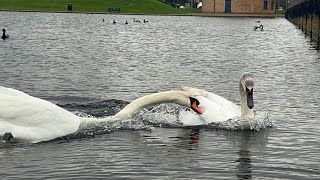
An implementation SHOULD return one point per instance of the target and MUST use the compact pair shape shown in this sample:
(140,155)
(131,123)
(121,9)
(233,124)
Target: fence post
(306,29)
(318,32)
(301,23)
(311,26)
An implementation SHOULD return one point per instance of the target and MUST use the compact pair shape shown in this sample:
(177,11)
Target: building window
(272,5)
(265,4)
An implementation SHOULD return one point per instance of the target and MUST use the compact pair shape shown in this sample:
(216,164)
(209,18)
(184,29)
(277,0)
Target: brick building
(239,6)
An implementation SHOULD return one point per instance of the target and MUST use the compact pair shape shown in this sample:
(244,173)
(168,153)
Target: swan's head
(187,99)
(192,93)
(194,105)
(3,30)
(246,88)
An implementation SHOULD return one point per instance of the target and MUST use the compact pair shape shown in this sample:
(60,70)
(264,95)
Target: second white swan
(217,109)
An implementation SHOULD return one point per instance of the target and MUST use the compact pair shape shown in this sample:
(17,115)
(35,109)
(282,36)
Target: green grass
(127,6)
(280,12)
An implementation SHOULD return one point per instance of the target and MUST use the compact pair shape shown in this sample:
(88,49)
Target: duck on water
(4,35)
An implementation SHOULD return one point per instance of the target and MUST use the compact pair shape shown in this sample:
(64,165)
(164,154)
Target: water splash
(260,121)
(91,126)
(163,115)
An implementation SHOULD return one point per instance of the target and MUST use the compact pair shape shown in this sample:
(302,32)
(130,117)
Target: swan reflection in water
(191,144)
(247,141)
(189,139)
(244,165)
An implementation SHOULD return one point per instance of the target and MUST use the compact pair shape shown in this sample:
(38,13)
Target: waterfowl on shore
(4,35)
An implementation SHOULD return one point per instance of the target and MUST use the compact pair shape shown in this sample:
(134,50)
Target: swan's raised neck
(183,98)
(246,84)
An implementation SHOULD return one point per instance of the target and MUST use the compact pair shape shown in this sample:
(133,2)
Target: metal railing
(306,16)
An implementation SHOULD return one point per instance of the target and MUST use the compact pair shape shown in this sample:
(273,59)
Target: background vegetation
(127,6)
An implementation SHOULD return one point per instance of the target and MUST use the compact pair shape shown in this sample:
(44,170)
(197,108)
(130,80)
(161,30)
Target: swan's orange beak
(194,105)
(196,108)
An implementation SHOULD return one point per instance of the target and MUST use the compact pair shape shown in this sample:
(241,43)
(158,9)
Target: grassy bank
(127,6)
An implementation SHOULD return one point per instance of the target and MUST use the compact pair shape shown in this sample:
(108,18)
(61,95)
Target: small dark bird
(103,20)
(114,22)
(145,21)
(4,35)
(126,22)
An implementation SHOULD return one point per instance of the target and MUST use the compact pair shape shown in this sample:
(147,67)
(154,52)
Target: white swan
(32,119)
(217,109)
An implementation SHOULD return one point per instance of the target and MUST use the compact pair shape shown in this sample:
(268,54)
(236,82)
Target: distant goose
(257,21)
(103,20)
(114,22)
(145,21)
(126,22)
(4,35)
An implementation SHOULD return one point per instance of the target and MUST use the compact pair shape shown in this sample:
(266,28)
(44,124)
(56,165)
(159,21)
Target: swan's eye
(197,102)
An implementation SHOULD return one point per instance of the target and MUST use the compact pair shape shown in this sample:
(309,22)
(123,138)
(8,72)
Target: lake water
(94,68)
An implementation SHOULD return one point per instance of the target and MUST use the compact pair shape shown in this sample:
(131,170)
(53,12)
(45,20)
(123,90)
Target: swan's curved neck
(246,113)
(178,97)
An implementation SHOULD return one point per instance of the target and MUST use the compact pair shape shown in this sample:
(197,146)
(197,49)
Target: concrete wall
(238,6)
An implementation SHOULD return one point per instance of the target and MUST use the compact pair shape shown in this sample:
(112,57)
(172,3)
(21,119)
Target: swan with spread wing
(33,119)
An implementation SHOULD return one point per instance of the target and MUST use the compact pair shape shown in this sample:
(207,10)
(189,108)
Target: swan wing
(224,105)
(34,119)
(217,111)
